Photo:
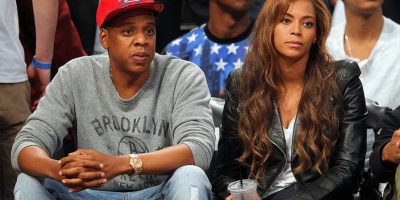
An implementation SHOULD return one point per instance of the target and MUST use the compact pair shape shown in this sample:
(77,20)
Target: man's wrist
(55,170)
(40,64)
(123,166)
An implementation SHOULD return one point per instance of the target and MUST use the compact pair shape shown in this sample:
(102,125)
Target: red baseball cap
(110,8)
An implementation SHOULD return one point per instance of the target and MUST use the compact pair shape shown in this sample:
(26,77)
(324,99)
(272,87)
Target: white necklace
(348,45)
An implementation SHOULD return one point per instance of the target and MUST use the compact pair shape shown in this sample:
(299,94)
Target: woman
(293,118)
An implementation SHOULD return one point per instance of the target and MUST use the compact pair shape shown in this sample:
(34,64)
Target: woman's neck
(292,73)
(289,93)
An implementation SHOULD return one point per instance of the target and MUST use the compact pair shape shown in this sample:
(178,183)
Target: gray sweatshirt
(172,107)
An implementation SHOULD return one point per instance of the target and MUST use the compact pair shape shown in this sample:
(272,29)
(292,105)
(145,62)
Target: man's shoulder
(336,33)
(86,62)
(84,67)
(173,68)
(390,33)
(172,63)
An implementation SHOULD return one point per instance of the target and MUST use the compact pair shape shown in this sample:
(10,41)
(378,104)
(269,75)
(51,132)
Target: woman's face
(296,32)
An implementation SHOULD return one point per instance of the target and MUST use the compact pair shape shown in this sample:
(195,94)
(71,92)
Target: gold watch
(136,164)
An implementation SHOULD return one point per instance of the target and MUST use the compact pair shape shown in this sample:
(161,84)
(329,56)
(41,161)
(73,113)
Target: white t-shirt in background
(12,61)
(380,72)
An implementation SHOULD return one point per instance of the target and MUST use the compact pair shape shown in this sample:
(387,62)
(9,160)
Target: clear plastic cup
(245,191)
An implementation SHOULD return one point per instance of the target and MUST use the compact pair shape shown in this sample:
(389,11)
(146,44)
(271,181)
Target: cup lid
(248,184)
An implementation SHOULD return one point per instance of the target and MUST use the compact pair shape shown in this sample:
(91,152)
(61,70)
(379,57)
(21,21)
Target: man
(200,10)
(219,46)
(371,40)
(140,120)
(15,101)
(385,157)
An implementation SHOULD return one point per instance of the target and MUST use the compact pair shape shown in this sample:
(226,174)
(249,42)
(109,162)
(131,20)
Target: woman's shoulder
(346,71)
(233,79)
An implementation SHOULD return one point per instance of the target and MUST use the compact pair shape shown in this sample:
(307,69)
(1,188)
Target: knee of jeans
(191,174)
(24,182)
(188,182)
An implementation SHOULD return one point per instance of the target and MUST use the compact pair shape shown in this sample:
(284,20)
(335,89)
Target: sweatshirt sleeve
(50,122)
(192,118)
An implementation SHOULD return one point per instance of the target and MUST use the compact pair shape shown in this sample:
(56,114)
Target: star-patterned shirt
(216,57)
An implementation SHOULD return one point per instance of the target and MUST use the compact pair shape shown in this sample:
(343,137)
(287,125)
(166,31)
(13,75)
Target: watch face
(136,164)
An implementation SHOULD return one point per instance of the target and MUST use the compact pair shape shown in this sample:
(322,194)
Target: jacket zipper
(284,156)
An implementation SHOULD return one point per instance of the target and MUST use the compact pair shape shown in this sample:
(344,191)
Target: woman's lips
(295,44)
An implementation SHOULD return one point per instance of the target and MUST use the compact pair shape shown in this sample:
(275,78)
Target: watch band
(136,163)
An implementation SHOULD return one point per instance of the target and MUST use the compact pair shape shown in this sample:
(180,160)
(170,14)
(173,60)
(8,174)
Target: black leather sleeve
(384,172)
(349,153)
(230,146)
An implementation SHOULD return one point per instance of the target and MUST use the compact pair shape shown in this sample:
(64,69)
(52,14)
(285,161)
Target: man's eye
(150,31)
(308,24)
(128,31)
(285,21)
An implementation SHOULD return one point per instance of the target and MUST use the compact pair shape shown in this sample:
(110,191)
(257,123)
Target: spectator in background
(67,44)
(200,10)
(220,45)
(14,86)
(141,120)
(390,10)
(371,40)
(385,157)
(294,120)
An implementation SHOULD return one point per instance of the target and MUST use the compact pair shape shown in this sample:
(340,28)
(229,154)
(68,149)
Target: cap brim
(157,7)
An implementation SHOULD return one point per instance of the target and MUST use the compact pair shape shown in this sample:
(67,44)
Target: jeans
(186,183)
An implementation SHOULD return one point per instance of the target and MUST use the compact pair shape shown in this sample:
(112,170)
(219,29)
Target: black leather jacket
(347,160)
(385,172)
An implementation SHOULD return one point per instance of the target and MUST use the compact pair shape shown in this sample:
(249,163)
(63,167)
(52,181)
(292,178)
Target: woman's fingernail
(101,165)
(103,174)
(63,181)
(105,180)
(60,173)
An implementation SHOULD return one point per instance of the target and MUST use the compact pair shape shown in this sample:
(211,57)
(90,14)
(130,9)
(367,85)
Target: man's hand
(391,151)
(39,79)
(81,171)
(88,169)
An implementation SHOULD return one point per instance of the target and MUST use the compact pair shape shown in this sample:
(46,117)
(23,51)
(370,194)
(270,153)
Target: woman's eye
(285,21)
(308,24)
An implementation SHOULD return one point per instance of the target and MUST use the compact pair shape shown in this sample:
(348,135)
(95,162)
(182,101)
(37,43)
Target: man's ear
(104,37)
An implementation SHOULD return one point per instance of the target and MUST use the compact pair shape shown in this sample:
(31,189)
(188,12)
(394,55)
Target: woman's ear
(104,38)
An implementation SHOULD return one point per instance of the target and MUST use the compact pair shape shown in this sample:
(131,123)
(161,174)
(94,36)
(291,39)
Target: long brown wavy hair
(259,85)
